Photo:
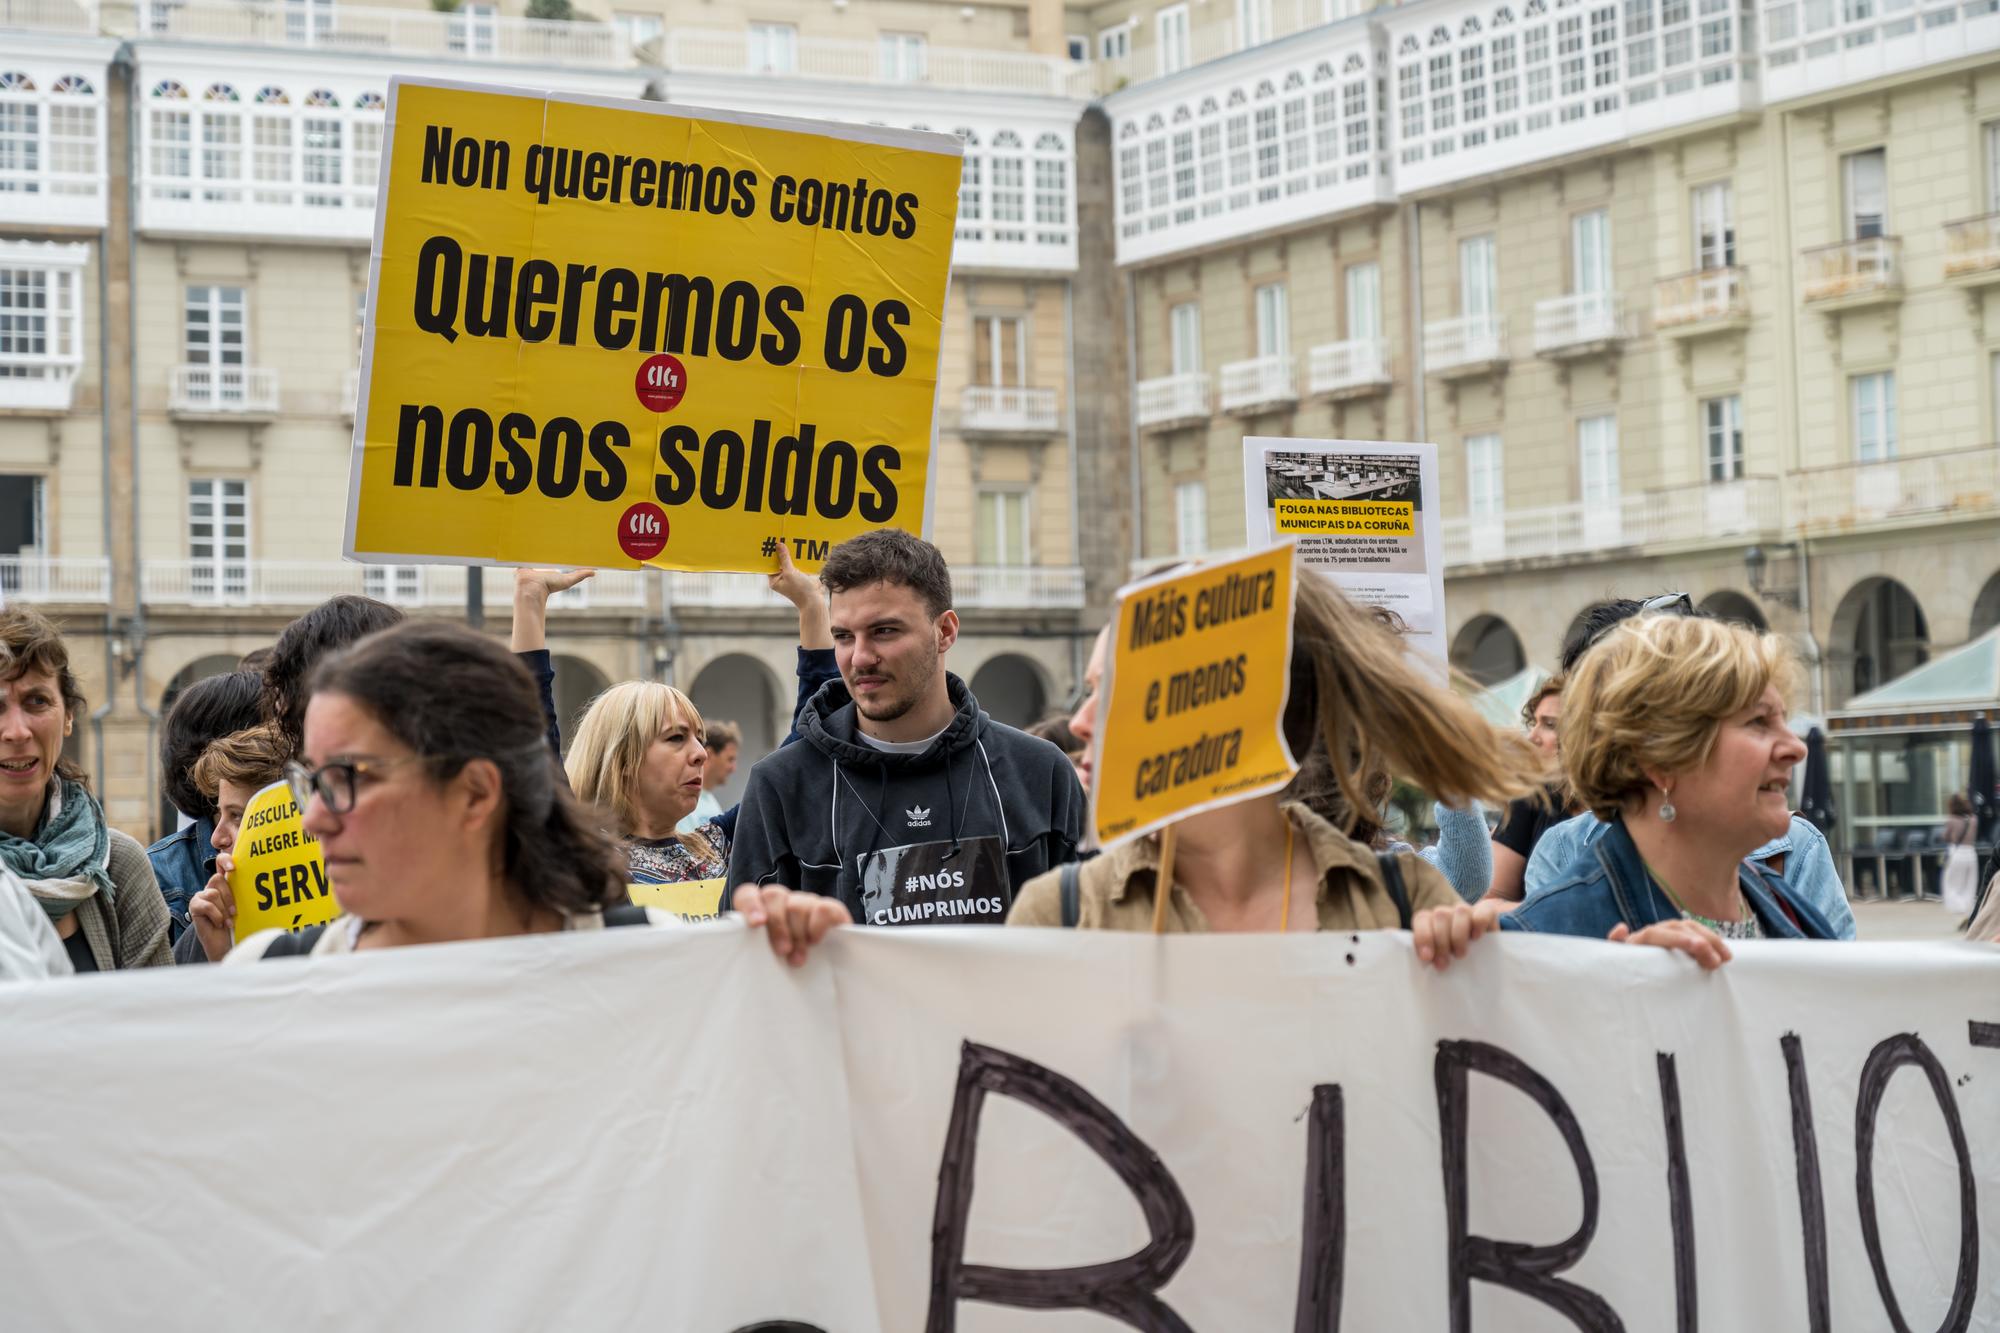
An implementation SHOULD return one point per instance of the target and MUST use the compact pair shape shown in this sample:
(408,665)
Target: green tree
(551,9)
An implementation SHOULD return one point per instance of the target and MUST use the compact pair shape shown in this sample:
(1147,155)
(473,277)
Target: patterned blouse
(702,854)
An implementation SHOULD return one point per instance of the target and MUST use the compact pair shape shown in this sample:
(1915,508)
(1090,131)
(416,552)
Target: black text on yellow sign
(1347,518)
(279,878)
(1195,700)
(615,333)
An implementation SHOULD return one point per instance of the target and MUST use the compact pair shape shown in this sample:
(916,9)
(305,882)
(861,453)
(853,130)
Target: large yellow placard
(280,879)
(1194,694)
(615,333)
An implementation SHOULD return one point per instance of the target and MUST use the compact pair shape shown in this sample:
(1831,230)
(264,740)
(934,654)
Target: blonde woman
(1359,711)
(1674,735)
(638,756)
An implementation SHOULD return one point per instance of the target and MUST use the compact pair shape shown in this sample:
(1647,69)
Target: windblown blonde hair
(610,745)
(1653,694)
(1362,711)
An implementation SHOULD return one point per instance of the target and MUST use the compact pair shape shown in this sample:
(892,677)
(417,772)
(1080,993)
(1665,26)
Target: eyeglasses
(334,783)
(1677,602)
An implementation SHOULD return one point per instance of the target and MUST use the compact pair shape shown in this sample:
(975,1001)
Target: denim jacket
(182,862)
(1607,884)
(1808,865)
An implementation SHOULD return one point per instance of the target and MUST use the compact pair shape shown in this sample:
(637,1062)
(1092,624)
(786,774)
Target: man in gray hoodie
(906,802)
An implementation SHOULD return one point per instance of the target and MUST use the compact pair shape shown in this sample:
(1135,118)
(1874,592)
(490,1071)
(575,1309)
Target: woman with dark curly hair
(441,815)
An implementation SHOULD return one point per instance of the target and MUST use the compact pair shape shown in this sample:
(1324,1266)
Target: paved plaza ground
(1904,920)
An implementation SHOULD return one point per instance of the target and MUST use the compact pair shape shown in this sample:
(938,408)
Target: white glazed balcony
(1260,384)
(361,30)
(852,60)
(1972,250)
(291,583)
(1354,369)
(1018,587)
(985,409)
(1579,325)
(1854,273)
(1468,345)
(223,391)
(1675,516)
(1814,46)
(1173,400)
(1928,487)
(1706,301)
(83,579)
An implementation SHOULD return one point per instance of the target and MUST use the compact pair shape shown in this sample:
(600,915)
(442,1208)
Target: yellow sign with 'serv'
(618,333)
(1194,694)
(279,879)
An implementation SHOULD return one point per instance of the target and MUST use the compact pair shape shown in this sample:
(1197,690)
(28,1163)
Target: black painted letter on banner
(1680,1204)
(1906,1048)
(1323,1235)
(1122,1289)
(1528,1269)
(1812,1196)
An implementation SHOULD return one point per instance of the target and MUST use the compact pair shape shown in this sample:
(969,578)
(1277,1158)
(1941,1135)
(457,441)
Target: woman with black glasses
(441,816)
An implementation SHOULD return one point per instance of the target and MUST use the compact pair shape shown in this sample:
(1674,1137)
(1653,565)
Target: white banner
(964,1129)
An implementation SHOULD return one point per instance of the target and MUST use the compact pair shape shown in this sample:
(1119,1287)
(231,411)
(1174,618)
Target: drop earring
(1667,811)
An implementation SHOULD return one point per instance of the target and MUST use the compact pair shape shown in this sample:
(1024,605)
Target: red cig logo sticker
(642,531)
(661,383)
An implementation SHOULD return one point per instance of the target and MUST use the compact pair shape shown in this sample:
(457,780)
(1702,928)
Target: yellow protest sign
(1194,694)
(694,899)
(618,333)
(279,879)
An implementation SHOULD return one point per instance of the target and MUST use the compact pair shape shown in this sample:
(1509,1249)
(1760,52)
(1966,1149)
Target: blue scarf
(69,860)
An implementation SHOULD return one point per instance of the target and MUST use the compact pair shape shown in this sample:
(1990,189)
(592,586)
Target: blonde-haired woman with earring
(1674,735)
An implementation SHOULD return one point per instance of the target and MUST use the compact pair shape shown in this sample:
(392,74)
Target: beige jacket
(1116,889)
(1985,927)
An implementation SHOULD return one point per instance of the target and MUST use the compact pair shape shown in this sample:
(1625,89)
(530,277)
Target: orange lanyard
(1285,912)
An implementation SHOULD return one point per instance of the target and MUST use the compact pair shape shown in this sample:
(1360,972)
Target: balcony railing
(1972,249)
(847,60)
(723,591)
(1586,321)
(1468,343)
(1259,384)
(48,15)
(1962,483)
(424,32)
(1690,302)
(1007,410)
(223,390)
(288,583)
(1173,400)
(1206,41)
(1854,272)
(1720,511)
(56,578)
(1018,588)
(1348,369)
(31,383)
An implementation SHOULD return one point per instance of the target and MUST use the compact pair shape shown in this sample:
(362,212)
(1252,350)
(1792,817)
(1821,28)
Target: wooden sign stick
(1163,885)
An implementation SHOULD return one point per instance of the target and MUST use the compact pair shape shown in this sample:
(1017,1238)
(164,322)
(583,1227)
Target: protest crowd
(1645,801)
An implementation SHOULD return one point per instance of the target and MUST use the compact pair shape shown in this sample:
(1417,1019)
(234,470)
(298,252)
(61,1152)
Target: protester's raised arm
(802,590)
(532,590)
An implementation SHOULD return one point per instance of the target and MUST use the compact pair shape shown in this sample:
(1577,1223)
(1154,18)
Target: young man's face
(889,647)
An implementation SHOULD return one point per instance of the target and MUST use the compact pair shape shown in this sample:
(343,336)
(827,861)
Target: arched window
(373,102)
(73,85)
(273,130)
(221,144)
(971,194)
(269,95)
(170,133)
(14,81)
(321,137)
(367,147)
(1052,188)
(1010,205)
(71,122)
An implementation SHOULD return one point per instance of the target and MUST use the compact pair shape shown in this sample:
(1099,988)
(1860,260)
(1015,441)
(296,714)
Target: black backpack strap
(294,944)
(626,914)
(1072,897)
(1392,880)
